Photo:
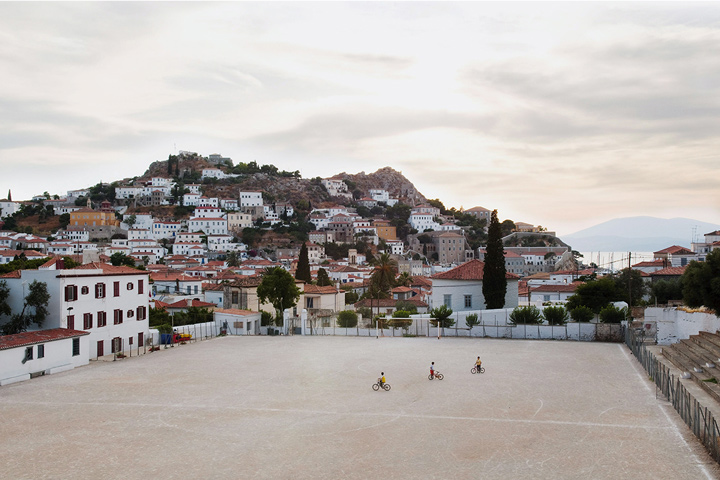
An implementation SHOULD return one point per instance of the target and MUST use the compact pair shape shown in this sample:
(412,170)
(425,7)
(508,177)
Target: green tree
(637,289)
(279,289)
(4,297)
(507,227)
(119,258)
(303,267)
(701,283)
(400,319)
(323,279)
(665,290)
(383,276)
(159,316)
(131,220)
(347,319)
(581,313)
(64,220)
(403,280)
(595,295)
(232,259)
(441,316)
(528,315)
(406,306)
(612,314)
(556,315)
(472,320)
(494,284)
(35,310)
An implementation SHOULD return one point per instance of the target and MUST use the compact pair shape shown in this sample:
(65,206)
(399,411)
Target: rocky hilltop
(388,179)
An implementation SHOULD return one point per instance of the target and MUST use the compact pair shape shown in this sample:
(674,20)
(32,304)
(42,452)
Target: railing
(697,417)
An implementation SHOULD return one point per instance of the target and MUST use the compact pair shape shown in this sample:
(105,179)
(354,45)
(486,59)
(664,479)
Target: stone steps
(687,356)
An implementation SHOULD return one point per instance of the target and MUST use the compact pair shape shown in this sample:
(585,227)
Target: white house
(191,199)
(27,354)
(229,203)
(379,195)
(212,173)
(128,192)
(237,322)
(207,211)
(208,225)
(218,242)
(209,202)
(336,187)
(251,199)
(7,208)
(109,302)
(162,230)
(460,288)
(423,221)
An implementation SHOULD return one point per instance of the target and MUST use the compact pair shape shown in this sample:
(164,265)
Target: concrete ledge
(61,368)
(18,378)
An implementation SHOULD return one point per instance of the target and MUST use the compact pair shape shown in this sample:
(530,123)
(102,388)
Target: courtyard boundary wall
(697,417)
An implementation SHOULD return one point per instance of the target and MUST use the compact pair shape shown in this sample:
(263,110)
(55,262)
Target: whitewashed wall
(674,325)
(58,358)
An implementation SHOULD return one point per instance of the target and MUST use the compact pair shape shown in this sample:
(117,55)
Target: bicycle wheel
(430,377)
(376,387)
(482,369)
(473,371)
(439,376)
(386,387)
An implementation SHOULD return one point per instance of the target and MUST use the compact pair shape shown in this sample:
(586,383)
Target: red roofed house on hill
(460,288)
(675,256)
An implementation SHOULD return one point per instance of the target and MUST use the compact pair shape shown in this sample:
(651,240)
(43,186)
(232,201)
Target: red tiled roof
(670,271)
(314,289)
(13,274)
(388,302)
(40,336)
(421,281)
(557,288)
(651,263)
(674,250)
(401,289)
(472,270)
(185,303)
(108,268)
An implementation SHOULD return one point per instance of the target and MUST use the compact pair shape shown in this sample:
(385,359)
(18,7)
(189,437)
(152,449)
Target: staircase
(700,357)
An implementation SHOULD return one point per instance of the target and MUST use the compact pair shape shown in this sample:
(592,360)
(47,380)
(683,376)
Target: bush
(400,319)
(530,315)
(441,316)
(165,328)
(347,319)
(266,318)
(612,314)
(582,314)
(404,305)
(472,320)
(556,315)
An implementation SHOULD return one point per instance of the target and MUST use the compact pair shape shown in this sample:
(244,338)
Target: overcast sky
(563,115)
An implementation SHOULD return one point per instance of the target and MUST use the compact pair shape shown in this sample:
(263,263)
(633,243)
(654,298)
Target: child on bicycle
(381,380)
(432,370)
(478,364)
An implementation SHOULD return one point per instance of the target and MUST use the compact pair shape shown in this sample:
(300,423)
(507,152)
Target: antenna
(694,233)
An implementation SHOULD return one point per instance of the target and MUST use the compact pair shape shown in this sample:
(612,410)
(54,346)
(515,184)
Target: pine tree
(494,280)
(303,266)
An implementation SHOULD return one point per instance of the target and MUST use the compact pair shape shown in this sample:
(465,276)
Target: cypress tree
(494,281)
(303,266)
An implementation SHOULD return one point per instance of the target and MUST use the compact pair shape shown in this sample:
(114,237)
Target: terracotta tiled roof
(315,290)
(401,289)
(389,302)
(421,281)
(41,336)
(557,288)
(235,311)
(670,271)
(108,268)
(675,250)
(185,303)
(472,270)
(653,263)
(13,274)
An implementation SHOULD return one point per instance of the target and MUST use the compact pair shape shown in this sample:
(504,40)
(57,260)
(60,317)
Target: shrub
(441,316)
(404,305)
(266,318)
(529,315)
(612,314)
(556,315)
(472,320)
(400,319)
(165,328)
(581,314)
(347,319)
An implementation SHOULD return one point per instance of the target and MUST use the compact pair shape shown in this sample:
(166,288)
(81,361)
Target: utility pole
(629,284)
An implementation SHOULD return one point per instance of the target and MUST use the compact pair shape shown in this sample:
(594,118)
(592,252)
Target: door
(140,340)
(100,350)
(71,322)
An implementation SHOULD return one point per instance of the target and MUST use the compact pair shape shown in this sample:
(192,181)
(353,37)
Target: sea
(615,260)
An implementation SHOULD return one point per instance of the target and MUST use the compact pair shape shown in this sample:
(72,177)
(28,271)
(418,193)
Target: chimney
(60,264)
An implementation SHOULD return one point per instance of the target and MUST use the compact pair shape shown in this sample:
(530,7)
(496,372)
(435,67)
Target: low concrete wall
(674,325)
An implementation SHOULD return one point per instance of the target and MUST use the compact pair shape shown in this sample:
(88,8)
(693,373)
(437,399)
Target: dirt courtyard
(303,407)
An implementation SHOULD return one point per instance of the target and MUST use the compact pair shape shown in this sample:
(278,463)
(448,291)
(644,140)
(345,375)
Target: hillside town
(196,244)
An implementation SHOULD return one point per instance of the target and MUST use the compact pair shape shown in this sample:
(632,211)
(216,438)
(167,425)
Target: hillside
(639,234)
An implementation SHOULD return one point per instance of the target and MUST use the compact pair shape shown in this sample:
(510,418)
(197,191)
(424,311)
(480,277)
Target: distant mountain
(639,234)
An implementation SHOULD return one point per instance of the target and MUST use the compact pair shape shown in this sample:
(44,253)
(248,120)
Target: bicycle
(437,375)
(475,370)
(385,386)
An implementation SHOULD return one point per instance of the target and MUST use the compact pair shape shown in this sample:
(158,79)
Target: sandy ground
(292,407)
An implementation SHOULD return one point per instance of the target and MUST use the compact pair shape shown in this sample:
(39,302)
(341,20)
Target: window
(118,317)
(141,313)
(130,314)
(468,301)
(130,286)
(140,287)
(99,290)
(116,289)
(71,322)
(76,347)
(101,319)
(84,290)
(41,351)
(234,300)
(447,300)
(87,321)
(71,293)
(28,354)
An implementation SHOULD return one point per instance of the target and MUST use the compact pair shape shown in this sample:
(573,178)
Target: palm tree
(403,280)
(383,277)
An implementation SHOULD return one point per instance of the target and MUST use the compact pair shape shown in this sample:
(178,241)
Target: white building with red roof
(460,288)
(676,256)
(109,302)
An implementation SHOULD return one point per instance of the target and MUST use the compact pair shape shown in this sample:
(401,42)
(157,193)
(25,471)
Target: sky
(563,115)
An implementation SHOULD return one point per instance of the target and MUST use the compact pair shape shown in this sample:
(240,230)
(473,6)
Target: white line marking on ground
(540,408)
(673,423)
(347,414)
